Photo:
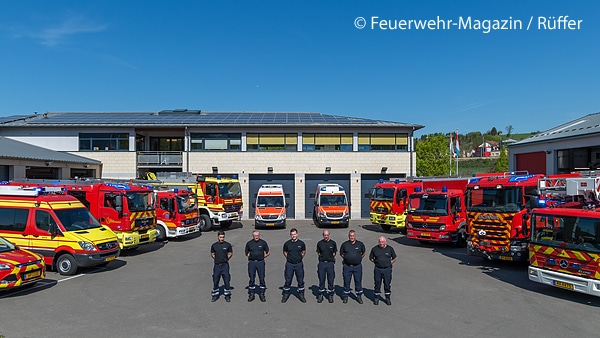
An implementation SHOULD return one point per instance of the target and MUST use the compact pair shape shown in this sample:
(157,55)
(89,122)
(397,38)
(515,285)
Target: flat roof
(583,126)
(10,148)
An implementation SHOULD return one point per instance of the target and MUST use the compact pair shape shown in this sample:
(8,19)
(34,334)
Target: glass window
(327,142)
(382,142)
(272,142)
(104,142)
(13,219)
(216,142)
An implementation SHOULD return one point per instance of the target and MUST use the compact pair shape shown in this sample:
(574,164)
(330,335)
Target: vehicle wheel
(386,227)
(205,222)
(66,265)
(161,233)
(226,224)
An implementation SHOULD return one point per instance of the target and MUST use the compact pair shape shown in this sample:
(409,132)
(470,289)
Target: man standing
(256,251)
(221,251)
(352,252)
(326,249)
(294,250)
(383,256)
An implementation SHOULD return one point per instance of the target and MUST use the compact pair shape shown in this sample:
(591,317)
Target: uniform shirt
(326,250)
(383,256)
(257,249)
(294,250)
(220,250)
(352,253)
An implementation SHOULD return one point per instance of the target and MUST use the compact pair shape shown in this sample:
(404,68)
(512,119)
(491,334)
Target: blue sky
(305,56)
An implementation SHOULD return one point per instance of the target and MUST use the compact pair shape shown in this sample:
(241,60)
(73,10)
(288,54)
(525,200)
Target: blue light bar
(444,189)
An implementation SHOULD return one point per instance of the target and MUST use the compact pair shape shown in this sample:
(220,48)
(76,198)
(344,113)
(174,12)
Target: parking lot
(163,290)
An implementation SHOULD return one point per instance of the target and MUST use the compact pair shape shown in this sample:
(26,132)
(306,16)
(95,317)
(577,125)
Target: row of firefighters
(551,221)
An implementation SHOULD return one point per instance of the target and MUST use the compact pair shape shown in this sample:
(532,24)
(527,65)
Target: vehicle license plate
(506,258)
(564,285)
(110,258)
(33,274)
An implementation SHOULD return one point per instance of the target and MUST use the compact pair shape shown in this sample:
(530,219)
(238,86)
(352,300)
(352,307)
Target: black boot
(285,297)
(320,298)
(262,298)
(251,297)
(344,299)
(388,300)
(214,298)
(330,297)
(359,299)
(301,297)
(376,300)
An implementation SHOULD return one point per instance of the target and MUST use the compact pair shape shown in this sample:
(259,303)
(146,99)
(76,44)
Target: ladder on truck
(565,189)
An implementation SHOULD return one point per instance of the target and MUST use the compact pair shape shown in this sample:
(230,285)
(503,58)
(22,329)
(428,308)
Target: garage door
(287,180)
(534,163)
(368,181)
(312,180)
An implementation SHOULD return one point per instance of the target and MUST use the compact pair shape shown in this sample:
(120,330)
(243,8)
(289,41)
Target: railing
(160,158)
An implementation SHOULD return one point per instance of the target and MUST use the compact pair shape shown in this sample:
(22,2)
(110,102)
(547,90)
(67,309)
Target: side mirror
(53,229)
(287,205)
(524,227)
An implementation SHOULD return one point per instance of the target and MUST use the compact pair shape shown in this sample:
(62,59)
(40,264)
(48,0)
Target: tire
(226,224)
(66,265)
(386,227)
(161,233)
(205,222)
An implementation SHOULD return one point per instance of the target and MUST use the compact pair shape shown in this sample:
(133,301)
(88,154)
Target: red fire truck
(564,248)
(126,208)
(176,213)
(496,203)
(389,203)
(438,213)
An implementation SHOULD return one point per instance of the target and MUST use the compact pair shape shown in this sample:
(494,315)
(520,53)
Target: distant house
(486,149)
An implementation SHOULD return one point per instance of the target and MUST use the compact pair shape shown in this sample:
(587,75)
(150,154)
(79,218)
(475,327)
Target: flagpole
(451,153)
(457,147)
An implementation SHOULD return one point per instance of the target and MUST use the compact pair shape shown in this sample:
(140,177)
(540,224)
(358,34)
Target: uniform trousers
(349,271)
(326,270)
(290,270)
(254,268)
(221,270)
(385,275)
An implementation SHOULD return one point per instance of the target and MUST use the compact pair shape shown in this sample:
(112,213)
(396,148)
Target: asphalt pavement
(164,290)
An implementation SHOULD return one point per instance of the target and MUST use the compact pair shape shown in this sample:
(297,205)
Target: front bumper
(514,256)
(182,231)
(280,223)
(394,221)
(94,259)
(432,236)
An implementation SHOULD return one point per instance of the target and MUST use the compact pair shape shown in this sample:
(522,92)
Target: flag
(451,146)
(457,147)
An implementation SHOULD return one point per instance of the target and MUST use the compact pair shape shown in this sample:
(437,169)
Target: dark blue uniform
(352,253)
(382,257)
(256,250)
(326,266)
(294,265)
(221,267)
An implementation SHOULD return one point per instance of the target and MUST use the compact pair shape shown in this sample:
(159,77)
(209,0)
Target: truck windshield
(332,200)
(230,190)
(73,219)
(494,200)
(6,246)
(139,201)
(429,205)
(383,194)
(577,233)
(187,203)
(270,201)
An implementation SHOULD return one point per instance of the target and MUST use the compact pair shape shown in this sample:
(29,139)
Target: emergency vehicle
(496,203)
(438,213)
(56,226)
(389,203)
(126,208)
(219,198)
(270,207)
(331,205)
(564,248)
(176,213)
(19,267)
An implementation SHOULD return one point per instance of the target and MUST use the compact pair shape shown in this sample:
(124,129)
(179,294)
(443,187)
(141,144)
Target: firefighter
(326,249)
(221,252)
(294,250)
(256,250)
(352,252)
(383,256)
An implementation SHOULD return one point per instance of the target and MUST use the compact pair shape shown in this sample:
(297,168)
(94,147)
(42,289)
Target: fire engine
(438,213)
(56,226)
(126,208)
(270,207)
(496,203)
(176,213)
(564,248)
(219,197)
(331,205)
(389,203)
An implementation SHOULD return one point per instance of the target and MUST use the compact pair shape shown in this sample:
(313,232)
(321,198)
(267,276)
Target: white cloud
(59,33)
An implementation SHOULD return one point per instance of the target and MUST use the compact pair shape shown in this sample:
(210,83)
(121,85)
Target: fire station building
(572,146)
(298,150)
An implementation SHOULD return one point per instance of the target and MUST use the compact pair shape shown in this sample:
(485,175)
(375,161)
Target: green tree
(502,161)
(433,156)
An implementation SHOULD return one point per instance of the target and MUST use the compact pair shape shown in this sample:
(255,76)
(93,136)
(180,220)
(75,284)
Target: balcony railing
(159,158)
